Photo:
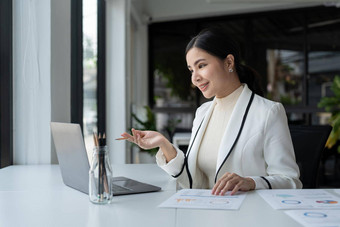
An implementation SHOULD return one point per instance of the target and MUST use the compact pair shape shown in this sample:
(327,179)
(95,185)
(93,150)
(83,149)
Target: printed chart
(203,199)
(316,218)
(300,199)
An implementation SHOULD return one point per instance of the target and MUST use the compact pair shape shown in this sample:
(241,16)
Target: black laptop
(74,163)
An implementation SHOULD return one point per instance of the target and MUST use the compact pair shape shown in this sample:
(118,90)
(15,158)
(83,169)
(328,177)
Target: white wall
(41,72)
(31,81)
(116,76)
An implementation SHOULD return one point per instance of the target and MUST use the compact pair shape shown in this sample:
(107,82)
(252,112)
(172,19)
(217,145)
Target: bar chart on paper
(203,199)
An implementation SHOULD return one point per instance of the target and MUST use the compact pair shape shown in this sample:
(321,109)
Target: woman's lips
(203,87)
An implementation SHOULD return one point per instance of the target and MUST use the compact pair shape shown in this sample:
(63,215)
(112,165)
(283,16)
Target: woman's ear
(229,62)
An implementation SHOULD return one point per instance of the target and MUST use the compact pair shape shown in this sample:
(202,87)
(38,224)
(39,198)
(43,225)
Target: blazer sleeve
(282,170)
(174,166)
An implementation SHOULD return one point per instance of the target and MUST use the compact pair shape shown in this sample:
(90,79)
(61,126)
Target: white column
(31,81)
(116,63)
(141,66)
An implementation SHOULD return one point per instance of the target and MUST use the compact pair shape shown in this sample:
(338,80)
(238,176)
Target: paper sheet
(337,191)
(203,199)
(316,218)
(300,199)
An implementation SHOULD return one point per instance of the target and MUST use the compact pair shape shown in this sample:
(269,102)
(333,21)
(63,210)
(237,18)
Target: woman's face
(208,73)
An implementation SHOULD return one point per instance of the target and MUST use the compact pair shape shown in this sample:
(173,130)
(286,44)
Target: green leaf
(332,104)
(336,86)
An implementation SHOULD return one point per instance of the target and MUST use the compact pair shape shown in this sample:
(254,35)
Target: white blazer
(263,151)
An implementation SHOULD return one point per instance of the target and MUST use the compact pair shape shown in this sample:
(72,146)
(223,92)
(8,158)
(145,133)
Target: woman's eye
(201,66)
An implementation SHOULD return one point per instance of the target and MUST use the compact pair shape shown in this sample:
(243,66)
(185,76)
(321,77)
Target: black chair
(309,143)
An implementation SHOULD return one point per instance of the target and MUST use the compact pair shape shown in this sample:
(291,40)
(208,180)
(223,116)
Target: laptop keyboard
(118,188)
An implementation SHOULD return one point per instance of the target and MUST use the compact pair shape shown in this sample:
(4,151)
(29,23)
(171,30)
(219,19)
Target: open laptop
(74,163)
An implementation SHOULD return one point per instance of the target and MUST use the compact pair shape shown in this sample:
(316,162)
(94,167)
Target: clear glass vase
(100,177)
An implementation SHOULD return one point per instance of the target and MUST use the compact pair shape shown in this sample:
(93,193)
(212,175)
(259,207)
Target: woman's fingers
(144,139)
(234,183)
(221,183)
(138,140)
(133,134)
(127,136)
(236,188)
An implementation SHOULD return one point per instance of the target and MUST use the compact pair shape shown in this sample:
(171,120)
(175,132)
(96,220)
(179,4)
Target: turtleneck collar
(231,97)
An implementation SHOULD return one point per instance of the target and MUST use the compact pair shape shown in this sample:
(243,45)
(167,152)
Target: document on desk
(337,191)
(203,199)
(316,218)
(300,199)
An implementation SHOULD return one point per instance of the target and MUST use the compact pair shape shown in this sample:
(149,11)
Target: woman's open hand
(151,139)
(234,183)
(144,139)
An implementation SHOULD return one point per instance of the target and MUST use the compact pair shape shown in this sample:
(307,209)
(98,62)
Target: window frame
(6,83)
(77,62)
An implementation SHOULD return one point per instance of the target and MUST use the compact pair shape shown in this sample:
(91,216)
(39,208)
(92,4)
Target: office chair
(309,143)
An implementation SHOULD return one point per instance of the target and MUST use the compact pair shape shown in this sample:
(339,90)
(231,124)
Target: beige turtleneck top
(208,151)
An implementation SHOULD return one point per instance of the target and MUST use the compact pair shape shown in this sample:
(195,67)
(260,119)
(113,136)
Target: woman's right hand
(145,139)
(151,139)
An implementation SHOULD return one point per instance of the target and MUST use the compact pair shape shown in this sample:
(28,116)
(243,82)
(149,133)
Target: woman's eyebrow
(196,62)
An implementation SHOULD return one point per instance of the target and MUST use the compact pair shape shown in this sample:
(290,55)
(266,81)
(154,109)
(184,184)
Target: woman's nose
(195,77)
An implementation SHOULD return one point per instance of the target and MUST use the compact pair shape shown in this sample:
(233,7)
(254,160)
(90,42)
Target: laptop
(74,163)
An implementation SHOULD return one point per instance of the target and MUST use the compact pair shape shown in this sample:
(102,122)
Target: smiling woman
(213,76)
(239,141)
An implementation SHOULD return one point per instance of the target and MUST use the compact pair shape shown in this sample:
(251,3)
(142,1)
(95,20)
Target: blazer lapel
(192,159)
(233,126)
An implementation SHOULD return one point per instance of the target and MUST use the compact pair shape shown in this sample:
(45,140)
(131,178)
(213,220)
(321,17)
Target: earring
(231,70)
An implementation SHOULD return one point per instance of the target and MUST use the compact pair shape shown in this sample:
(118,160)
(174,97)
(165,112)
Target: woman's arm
(282,170)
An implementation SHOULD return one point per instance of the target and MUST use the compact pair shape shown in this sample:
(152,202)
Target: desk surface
(36,196)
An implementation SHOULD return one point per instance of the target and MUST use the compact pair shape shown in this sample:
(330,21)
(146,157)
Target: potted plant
(332,105)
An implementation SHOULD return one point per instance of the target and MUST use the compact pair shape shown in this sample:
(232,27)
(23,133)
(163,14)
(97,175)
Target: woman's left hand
(234,183)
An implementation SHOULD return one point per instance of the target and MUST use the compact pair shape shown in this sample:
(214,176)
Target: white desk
(36,196)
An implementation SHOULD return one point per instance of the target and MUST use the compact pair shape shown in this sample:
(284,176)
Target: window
(90,53)
(88,67)
(295,51)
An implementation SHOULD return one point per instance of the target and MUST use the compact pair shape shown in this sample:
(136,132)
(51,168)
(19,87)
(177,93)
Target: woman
(240,141)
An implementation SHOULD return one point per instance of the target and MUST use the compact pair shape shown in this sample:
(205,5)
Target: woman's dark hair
(219,44)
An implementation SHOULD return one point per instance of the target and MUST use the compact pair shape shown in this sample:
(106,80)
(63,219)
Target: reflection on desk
(36,196)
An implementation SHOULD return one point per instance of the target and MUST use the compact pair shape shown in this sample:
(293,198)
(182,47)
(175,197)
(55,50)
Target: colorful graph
(327,201)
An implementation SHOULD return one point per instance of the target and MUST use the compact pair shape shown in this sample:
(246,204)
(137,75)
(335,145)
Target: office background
(55,68)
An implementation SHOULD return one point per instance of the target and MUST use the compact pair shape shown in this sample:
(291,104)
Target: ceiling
(165,10)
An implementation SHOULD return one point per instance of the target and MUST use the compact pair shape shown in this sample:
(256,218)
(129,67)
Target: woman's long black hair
(219,44)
